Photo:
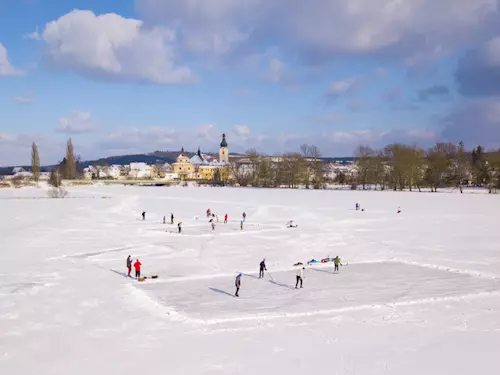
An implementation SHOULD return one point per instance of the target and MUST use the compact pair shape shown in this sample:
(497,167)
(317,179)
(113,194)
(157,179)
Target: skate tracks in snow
(390,284)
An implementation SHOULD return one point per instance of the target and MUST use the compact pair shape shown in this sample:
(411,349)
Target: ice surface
(420,293)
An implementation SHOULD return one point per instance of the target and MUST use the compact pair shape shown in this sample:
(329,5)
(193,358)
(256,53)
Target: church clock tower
(224,151)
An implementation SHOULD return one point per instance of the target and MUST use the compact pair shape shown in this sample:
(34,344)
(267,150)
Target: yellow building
(200,168)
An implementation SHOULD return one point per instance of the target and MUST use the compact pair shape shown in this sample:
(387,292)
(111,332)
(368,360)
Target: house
(21,172)
(141,170)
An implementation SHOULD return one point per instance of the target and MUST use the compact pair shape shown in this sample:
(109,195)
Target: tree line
(400,167)
(294,169)
(69,168)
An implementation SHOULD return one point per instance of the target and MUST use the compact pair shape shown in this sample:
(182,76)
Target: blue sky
(136,76)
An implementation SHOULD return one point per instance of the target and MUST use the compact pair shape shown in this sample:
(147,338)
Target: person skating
(171,218)
(244,216)
(357,206)
(217,218)
(336,261)
(143,215)
(129,265)
(237,284)
(300,276)
(164,220)
(241,225)
(225,219)
(208,213)
(213,225)
(137,266)
(262,268)
(179,225)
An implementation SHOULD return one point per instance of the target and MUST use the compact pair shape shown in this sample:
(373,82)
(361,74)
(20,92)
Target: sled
(143,278)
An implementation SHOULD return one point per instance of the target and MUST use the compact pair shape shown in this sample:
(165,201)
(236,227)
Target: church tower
(224,151)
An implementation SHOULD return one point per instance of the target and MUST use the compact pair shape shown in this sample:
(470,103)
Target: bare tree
(240,172)
(461,167)
(70,161)
(493,165)
(35,162)
(365,165)
(438,165)
(55,179)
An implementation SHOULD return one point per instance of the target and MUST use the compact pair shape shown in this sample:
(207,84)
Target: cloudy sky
(136,76)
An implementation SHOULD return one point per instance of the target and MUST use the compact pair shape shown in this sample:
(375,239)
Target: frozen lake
(419,291)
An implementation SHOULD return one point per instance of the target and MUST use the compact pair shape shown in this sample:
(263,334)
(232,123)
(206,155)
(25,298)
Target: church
(199,167)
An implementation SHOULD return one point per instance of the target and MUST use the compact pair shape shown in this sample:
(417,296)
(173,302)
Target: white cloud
(15,149)
(6,69)
(345,86)
(114,48)
(245,92)
(35,35)
(27,98)
(241,130)
(276,69)
(322,29)
(331,117)
(76,122)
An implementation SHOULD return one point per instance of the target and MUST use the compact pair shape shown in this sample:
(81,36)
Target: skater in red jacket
(225,219)
(137,266)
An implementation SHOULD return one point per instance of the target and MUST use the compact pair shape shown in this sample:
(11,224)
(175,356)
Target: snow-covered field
(419,292)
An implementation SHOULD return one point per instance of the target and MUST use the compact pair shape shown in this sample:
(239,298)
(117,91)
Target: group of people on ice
(299,277)
(137,266)
(213,219)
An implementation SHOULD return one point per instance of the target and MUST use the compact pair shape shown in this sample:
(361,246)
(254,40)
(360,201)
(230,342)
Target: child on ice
(225,219)
(241,225)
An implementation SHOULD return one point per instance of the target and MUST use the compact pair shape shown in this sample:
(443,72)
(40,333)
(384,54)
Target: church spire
(223,143)
(199,152)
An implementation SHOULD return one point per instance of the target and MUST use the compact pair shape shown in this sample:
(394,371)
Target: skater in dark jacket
(244,216)
(171,218)
(143,215)
(237,284)
(263,268)
(179,226)
(129,265)
(137,266)
(164,220)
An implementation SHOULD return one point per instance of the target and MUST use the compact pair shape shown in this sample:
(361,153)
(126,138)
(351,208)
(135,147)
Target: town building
(200,167)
